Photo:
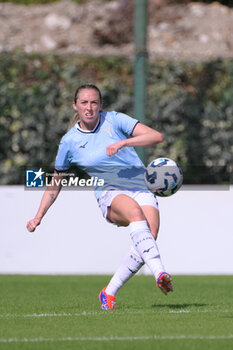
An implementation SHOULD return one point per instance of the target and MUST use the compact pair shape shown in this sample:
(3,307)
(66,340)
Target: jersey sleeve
(125,123)
(63,159)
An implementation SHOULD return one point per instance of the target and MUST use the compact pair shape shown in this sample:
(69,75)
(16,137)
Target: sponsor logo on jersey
(84,145)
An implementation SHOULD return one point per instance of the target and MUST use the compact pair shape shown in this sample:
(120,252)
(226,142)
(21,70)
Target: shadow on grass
(178,306)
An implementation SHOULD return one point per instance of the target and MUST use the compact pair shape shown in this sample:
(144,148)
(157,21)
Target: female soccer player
(101,143)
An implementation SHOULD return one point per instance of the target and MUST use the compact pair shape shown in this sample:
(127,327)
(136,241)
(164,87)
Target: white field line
(100,313)
(112,338)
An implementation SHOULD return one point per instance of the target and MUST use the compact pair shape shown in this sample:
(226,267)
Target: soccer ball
(163,177)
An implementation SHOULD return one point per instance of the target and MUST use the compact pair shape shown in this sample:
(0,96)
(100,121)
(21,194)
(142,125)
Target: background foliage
(190,103)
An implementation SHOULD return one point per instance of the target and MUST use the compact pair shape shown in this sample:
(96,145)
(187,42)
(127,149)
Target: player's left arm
(142,136)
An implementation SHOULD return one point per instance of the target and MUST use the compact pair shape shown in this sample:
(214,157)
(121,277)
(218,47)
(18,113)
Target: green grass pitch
(63,312)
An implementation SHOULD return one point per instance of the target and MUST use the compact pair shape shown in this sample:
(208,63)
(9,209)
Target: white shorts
(141,197)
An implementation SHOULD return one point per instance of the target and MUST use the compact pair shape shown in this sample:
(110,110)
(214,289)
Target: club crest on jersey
(108,130)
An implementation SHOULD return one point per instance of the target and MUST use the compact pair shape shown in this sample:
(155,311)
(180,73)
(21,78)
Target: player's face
(88,105)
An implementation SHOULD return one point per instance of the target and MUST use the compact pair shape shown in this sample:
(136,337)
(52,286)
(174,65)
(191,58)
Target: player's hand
(114,148)
(32,224)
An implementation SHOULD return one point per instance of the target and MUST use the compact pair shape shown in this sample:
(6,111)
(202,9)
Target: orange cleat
(107,301)
(164,282)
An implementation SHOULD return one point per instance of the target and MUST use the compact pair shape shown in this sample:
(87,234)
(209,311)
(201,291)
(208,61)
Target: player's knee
(137,214)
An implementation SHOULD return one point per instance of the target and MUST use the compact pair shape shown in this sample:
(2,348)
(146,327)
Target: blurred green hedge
(190,103)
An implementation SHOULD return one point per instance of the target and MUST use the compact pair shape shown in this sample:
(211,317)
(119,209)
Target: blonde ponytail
(73,121)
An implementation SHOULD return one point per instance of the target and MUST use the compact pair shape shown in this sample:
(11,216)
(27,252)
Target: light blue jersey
(87,150)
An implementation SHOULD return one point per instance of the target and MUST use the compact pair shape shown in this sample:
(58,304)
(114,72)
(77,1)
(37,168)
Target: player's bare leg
(145,216)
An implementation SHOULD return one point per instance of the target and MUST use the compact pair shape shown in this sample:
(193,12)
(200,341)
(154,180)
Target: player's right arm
(48,199)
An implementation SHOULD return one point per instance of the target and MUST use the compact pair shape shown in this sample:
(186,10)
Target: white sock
(131,264)
(146,246)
